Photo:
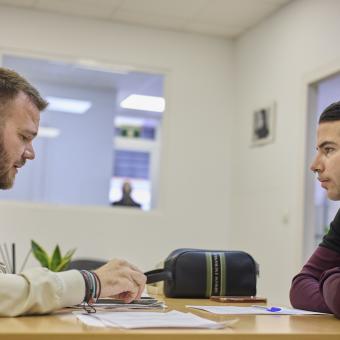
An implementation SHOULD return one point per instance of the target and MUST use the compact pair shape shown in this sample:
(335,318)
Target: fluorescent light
(68,105)
(128,121)
(133,121)
(144,103)
(48,132)
(94,65)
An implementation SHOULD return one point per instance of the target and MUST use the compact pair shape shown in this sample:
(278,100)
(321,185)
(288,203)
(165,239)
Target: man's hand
(121,280)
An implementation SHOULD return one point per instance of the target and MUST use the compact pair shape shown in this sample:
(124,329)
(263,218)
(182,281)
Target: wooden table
(64,326)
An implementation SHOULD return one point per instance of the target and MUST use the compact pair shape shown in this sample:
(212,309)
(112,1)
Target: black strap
(157,275)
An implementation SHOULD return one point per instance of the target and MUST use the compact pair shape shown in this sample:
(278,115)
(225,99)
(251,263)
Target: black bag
(197,273)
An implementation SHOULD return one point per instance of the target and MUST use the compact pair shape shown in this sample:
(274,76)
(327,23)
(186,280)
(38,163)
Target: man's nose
(29,152)
(316,165)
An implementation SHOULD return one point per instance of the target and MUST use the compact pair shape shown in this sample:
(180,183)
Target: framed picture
(263,125)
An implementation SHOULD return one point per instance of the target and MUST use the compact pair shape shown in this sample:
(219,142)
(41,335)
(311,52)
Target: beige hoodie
(39,291)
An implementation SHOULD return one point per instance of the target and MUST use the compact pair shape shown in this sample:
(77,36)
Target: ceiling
(223,18)
(61,73)
(64,74)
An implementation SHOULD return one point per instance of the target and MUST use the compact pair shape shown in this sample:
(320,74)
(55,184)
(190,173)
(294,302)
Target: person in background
(317,286)
(126,200)
(38,290)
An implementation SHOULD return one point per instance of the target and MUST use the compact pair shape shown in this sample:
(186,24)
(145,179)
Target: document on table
(173,319)
(260,310)
(112,304)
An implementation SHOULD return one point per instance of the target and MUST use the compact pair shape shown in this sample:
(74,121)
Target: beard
(6,178)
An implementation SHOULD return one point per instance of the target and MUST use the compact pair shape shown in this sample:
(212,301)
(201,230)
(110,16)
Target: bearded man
(38,290)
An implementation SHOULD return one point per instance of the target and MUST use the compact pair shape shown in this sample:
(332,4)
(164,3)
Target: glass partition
(99,140)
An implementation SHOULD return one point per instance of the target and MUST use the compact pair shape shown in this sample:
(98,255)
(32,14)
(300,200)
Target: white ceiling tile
(230,12)
(175,8)
(90,8)
(278,2)
(216,30)
(19,3)
(160,21)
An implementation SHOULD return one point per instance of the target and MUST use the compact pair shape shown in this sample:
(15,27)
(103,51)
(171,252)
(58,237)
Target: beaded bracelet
(99,285)
(92,290)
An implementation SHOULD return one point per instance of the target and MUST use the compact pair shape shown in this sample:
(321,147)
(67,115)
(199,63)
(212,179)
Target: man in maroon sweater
(317,286)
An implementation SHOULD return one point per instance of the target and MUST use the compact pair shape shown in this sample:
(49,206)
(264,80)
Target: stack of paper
(143,303)
(173,319)
(234,310)
(112,304)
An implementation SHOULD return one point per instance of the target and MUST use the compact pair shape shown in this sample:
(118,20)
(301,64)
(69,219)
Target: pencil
(13,258)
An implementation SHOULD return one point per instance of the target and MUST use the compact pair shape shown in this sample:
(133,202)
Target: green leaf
(56,262)
(63,265)
(65,260)
(55,259)
(70,253)
(40,254)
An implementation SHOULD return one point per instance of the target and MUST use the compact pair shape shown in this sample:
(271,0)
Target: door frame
(309,103)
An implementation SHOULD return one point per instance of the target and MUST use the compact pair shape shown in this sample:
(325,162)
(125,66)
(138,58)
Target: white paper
(252,310)
(173,319)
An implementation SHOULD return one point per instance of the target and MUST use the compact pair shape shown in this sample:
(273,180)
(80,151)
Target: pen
(13,259)
(268,309)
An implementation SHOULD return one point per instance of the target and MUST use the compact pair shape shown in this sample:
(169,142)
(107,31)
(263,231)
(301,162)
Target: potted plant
(56,262)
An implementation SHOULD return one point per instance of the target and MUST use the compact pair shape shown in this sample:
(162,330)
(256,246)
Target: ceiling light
(128,121)
(68,105)
(144,103)
(48,132)
(94,65)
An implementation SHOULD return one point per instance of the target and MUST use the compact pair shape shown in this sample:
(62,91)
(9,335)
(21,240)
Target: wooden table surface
(64,325)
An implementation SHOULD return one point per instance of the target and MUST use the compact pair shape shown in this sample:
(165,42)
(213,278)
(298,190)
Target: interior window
(99,136)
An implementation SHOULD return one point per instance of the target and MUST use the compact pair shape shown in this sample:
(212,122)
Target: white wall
(273,62)
(195,173)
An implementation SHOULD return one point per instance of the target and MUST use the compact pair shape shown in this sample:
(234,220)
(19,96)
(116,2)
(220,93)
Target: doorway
(319,210)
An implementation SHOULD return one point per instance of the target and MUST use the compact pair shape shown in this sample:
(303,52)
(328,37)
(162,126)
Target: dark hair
(11,84)
(330,113)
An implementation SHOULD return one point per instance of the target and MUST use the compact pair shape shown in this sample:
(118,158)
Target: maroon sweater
(317,286)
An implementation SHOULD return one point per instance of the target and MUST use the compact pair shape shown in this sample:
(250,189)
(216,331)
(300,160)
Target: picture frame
(263,125)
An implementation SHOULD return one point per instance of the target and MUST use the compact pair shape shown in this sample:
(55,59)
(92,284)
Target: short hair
(11,84)
(330,113)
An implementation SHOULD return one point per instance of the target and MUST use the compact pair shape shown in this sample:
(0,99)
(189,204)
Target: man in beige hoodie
(39,290)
